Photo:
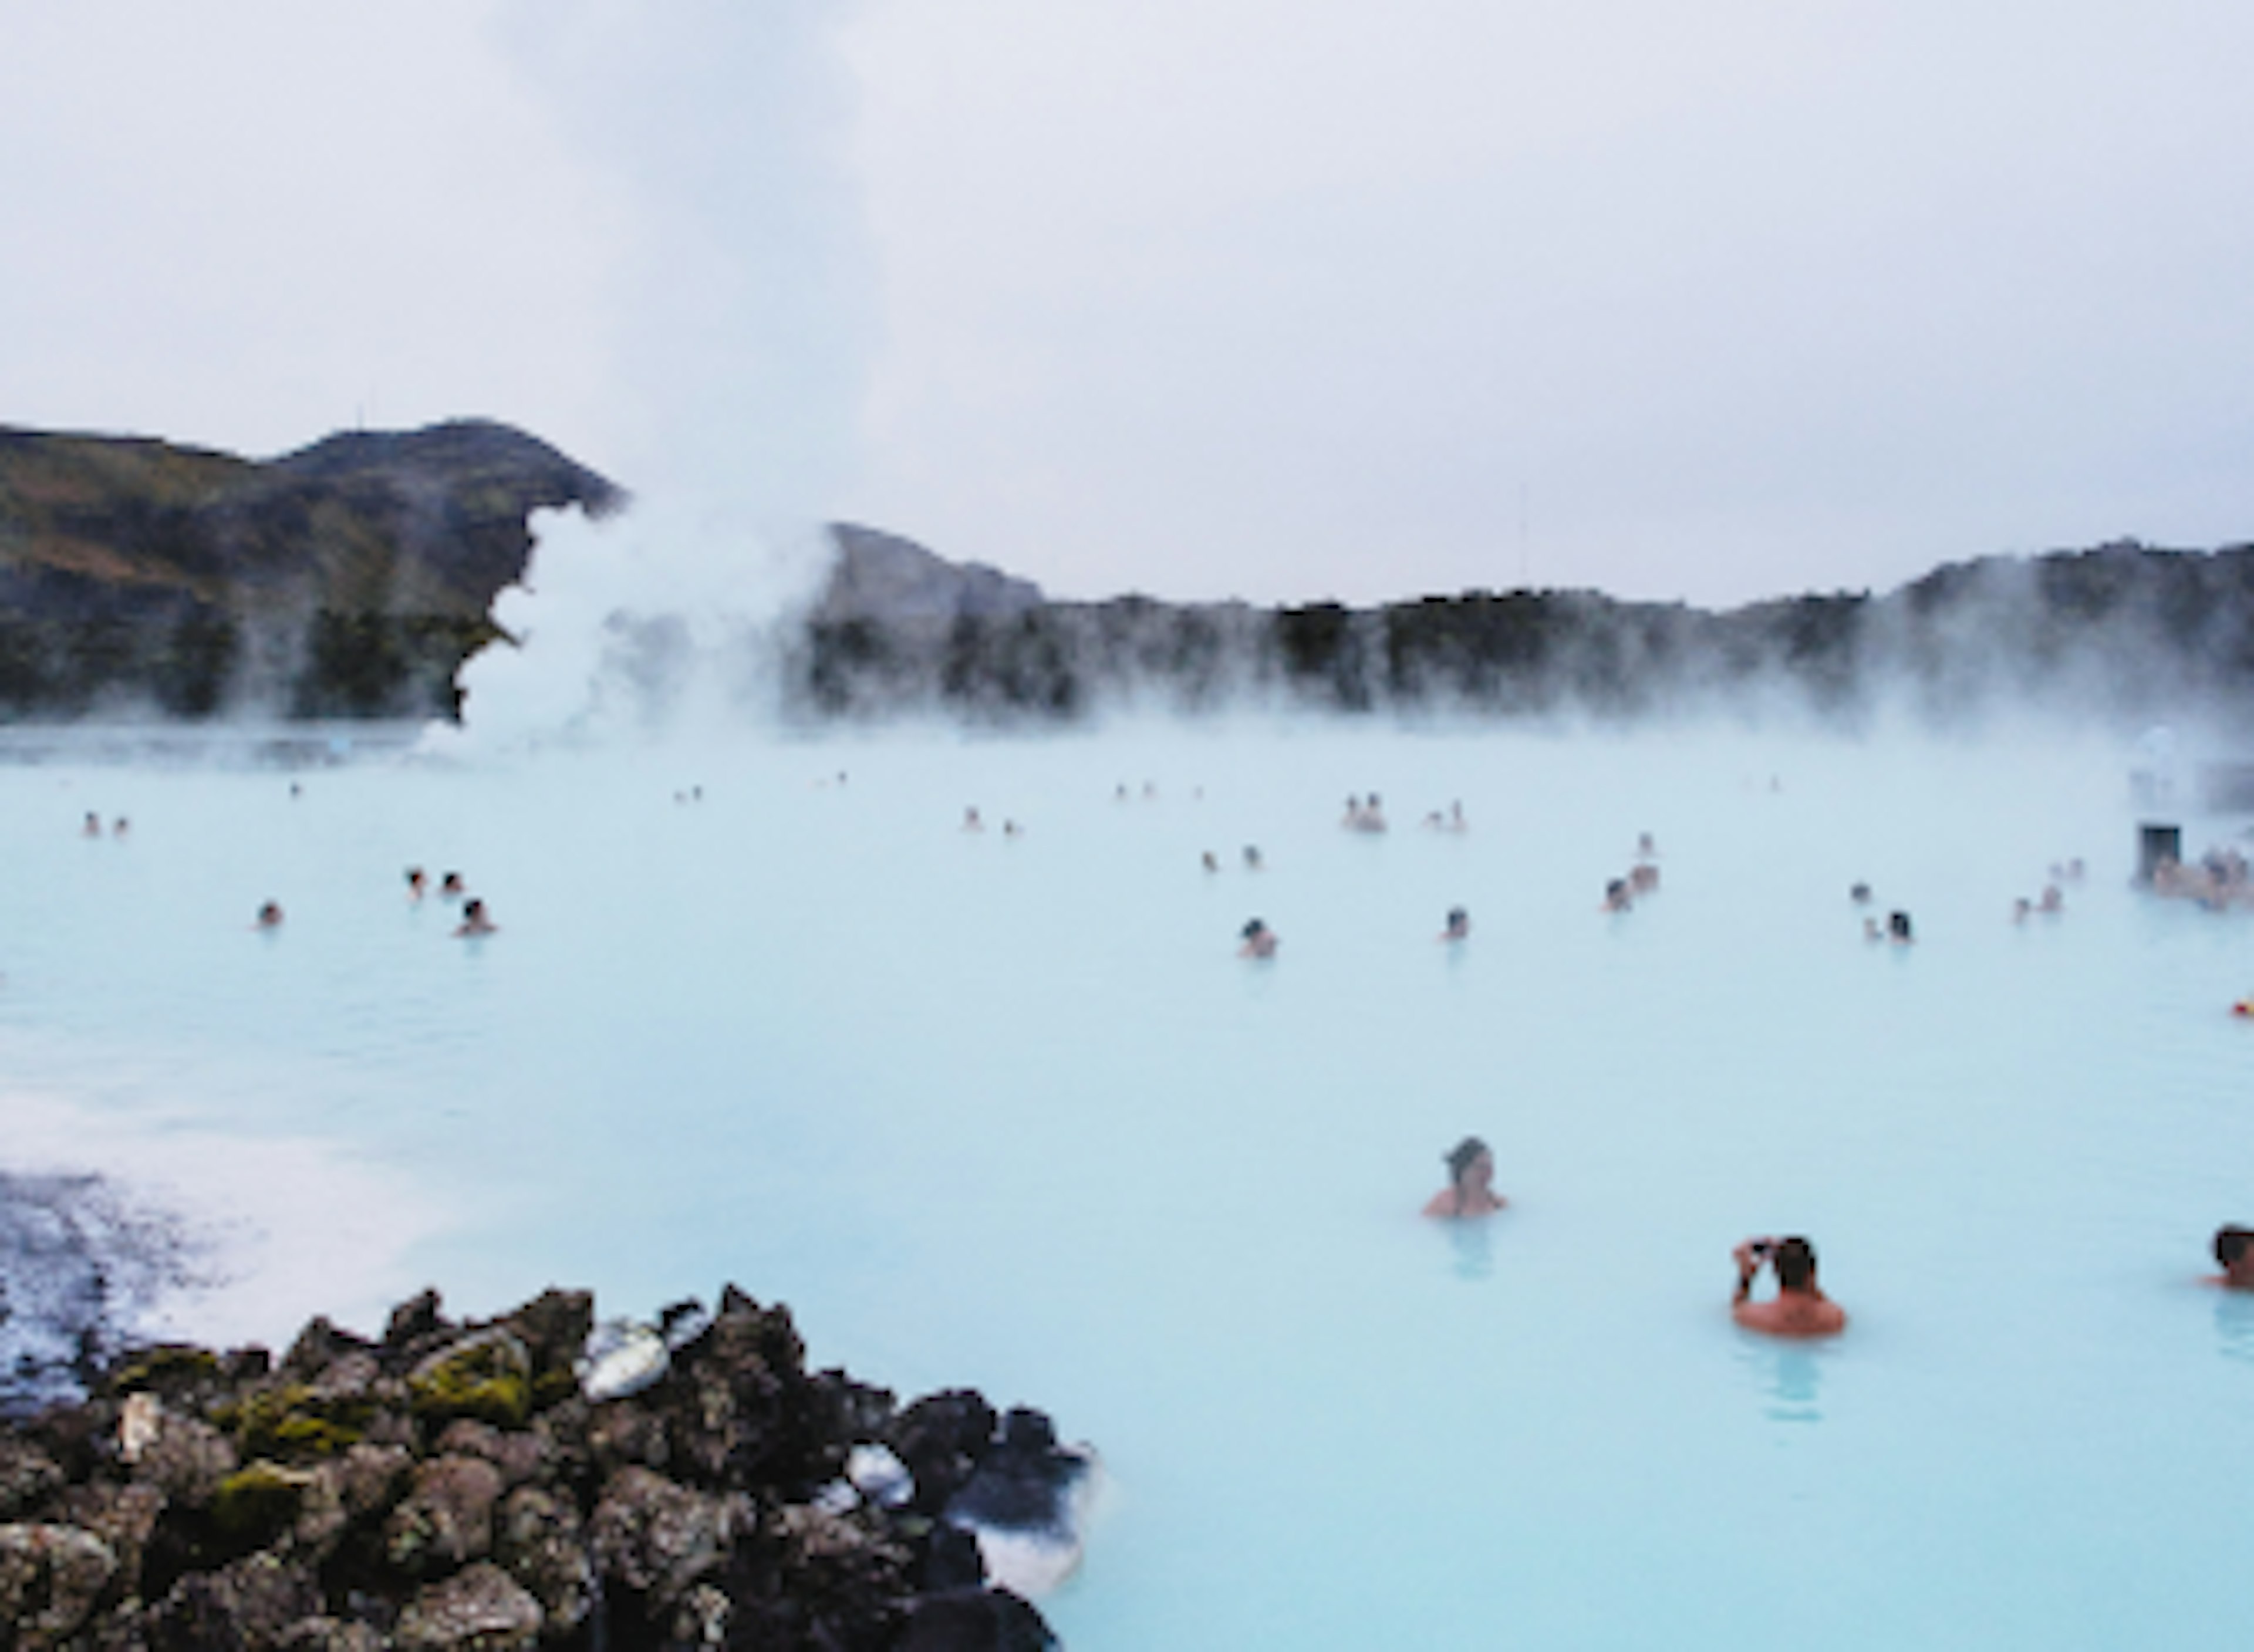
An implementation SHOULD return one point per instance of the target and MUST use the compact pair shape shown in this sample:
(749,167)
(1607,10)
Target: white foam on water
(271,1230)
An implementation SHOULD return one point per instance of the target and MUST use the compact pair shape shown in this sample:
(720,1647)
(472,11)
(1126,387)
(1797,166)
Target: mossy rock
(487,1378)
(552,1388)
(163,1369)
(295,1422)
(257,1504)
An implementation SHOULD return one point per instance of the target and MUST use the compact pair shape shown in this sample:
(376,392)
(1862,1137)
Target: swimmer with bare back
(1799,1309)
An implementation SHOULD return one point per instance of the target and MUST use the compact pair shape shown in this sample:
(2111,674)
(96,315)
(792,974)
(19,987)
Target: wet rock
(344,1492)
(538,1540)
(446,1519)
(249,1605)
(518,1454)
(738,1408)
(974,1621)
(329,1634)
(50,1578)
(702,1617)
(369,1479)
(450,1487)
(486,1376)
(188,1461)
(355,1376)
(844,1574)
(412,1320)
(124,1517)
(320,1345)
(622,1434)
(658,1538)
(940,1438)
(479,1609)
(553,1327)
(950,1560)
(28,1477)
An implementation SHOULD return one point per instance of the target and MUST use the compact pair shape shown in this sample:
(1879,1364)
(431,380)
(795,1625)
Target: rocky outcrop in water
(448,1486)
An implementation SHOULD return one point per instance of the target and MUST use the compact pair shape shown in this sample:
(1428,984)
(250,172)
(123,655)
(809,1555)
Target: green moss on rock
(161,1368)
(487,1378)
(255,1504)
(295,1422)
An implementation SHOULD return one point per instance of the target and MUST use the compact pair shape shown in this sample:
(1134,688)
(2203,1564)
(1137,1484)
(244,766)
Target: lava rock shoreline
(449,1486)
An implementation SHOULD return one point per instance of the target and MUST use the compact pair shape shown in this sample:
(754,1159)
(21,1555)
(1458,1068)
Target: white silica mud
(1007,1110)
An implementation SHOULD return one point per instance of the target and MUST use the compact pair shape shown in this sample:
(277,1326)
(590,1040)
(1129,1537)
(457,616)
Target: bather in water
(2234,1254)
(1800,1308)
(475,921)
(1259,940)
(1459,926)
(1471,1190)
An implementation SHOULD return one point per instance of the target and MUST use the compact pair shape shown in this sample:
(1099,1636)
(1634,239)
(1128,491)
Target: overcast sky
(1200,297)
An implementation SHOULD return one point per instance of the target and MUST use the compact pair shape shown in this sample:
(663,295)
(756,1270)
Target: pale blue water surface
(1011,1113)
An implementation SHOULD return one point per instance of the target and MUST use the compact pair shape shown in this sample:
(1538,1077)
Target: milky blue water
(1010,1112)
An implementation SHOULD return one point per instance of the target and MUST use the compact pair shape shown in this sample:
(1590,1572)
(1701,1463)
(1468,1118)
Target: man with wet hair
(1800,1308)
(2234,1253)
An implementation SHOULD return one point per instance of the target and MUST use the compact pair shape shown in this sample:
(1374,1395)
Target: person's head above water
(1794,1258)
(270,915)
(2234,1254)
(1898,925)
(1470,1191)
(1253,928)
(1464,1155)
(1459,925)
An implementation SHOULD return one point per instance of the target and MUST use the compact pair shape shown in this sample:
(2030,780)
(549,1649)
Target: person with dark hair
(2234,1254)
(1460,925)
(1618,897)
(416,883)
(1800,1308)
(270,916)
(1898,927)
(1259,940)
(474,922)
(1471,1190)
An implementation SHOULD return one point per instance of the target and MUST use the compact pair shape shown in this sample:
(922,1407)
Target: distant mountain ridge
(354,577)
(2121,632)
(349,577)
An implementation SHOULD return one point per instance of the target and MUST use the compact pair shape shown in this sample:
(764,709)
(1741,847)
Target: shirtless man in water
(1799,1307)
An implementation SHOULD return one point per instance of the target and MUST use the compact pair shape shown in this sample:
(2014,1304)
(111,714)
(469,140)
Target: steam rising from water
(738,320)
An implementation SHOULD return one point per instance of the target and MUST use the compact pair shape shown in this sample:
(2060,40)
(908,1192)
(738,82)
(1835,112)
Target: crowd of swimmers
(1799,1308)
(2217,880)
(476,919)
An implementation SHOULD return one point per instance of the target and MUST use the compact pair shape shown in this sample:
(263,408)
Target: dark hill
(351,577)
